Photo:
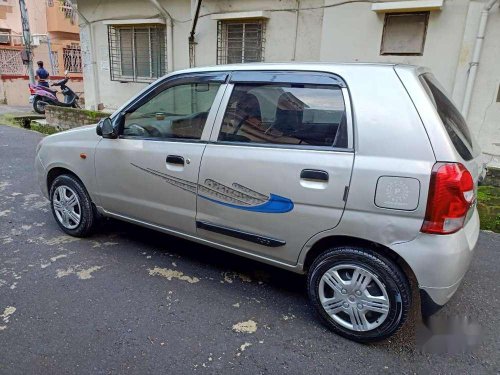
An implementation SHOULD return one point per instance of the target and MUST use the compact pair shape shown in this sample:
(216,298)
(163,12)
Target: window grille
(240,41)
(72,57)
(11,62)
(137,53)
(66,7)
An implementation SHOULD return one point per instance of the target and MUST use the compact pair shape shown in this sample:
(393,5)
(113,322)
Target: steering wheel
(240,124)
(141,131)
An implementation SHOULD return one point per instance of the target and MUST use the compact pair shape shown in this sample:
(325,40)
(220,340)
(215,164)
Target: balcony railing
(66,8)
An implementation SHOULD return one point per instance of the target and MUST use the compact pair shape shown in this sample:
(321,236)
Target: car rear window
(452,119)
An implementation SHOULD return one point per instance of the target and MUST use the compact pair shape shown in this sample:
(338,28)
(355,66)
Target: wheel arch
(55,172)
(340,240)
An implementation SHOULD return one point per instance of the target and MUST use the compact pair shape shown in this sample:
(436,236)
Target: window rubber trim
(349,113)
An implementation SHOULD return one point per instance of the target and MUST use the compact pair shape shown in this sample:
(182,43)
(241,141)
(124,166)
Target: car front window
(177,112)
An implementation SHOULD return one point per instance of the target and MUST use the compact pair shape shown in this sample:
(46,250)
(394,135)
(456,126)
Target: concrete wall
(68,118)
(36,13)
(322,30)
(362,43)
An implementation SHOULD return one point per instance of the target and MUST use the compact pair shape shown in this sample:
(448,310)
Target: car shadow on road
(203,257)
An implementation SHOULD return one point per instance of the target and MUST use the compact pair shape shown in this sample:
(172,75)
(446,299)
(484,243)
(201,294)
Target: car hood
(86,132)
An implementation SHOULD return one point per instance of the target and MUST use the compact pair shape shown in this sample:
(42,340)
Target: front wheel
(39,105)
(71,206)
(358,293)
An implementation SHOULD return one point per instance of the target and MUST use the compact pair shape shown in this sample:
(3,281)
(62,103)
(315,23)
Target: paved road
(106,304)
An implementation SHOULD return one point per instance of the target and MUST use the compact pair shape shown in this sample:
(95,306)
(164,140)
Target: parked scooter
(42,96)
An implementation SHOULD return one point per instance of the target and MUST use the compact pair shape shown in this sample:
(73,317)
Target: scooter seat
(47,89)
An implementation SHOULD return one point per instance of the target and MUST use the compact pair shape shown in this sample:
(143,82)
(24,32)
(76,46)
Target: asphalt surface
(106,304)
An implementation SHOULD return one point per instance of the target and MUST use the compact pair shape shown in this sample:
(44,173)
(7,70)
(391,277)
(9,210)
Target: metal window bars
(72,58)
(240,41)
(66,7)
(137,53)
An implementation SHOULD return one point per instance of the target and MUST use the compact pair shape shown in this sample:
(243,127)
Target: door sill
(246,236)
(274,262)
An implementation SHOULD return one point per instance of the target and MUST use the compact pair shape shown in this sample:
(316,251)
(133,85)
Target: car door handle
(314,174)
(175,159)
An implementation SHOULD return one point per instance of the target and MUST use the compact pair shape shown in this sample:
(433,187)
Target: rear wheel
(71,206)
(39,105)
(358,293)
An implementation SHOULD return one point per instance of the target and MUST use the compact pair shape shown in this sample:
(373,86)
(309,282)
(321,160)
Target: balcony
(61,18)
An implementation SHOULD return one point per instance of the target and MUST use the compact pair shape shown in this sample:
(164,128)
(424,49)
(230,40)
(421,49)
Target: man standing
(42,75)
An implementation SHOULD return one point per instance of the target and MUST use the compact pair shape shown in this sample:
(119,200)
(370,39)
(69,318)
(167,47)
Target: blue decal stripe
(275,205)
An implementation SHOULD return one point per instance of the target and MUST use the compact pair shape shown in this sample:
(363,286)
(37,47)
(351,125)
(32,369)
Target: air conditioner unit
(4,38)
(17,40)
(36,40)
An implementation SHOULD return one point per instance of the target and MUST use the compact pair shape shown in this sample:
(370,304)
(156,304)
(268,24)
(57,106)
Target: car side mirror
(106,129)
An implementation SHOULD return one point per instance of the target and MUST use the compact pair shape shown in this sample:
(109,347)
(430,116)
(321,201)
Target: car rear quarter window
(286,114)
(452,119)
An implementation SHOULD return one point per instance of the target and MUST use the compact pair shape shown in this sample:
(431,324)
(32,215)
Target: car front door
(278,167)
(149,173)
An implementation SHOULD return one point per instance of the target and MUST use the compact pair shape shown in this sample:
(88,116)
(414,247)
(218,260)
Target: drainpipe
(475,57)
(97,96)
(296,30)
(170,34)
(192,43)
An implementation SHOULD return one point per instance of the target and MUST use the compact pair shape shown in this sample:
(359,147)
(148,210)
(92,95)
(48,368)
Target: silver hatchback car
(362,176)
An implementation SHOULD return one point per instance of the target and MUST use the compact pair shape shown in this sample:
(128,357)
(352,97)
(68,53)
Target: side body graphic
(238,196)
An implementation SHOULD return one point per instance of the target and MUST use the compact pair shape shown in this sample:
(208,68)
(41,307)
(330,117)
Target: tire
(37,107)
(378,303)
(66,211)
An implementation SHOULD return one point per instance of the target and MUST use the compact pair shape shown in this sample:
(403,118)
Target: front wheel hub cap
(67,207)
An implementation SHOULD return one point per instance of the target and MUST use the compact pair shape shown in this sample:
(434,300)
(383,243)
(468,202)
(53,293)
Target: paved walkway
(4,108)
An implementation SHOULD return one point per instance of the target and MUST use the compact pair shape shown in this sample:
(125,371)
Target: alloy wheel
(354,297)
(67,207)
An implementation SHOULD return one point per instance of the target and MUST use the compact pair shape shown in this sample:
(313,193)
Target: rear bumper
(440,262)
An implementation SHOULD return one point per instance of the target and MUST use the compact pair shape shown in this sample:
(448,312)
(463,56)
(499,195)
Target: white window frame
(115,51)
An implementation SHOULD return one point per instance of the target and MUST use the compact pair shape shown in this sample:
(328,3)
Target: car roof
(305,66)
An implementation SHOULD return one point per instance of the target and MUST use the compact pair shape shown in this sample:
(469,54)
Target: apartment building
(55,41)
(127,44)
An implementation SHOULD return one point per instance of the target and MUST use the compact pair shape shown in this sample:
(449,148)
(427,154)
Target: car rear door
(278,167)
(149,173)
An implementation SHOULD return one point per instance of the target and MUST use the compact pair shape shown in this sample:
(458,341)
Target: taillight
(451,194)
(32,90)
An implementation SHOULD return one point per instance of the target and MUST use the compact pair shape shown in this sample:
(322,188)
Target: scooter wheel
(39,105)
